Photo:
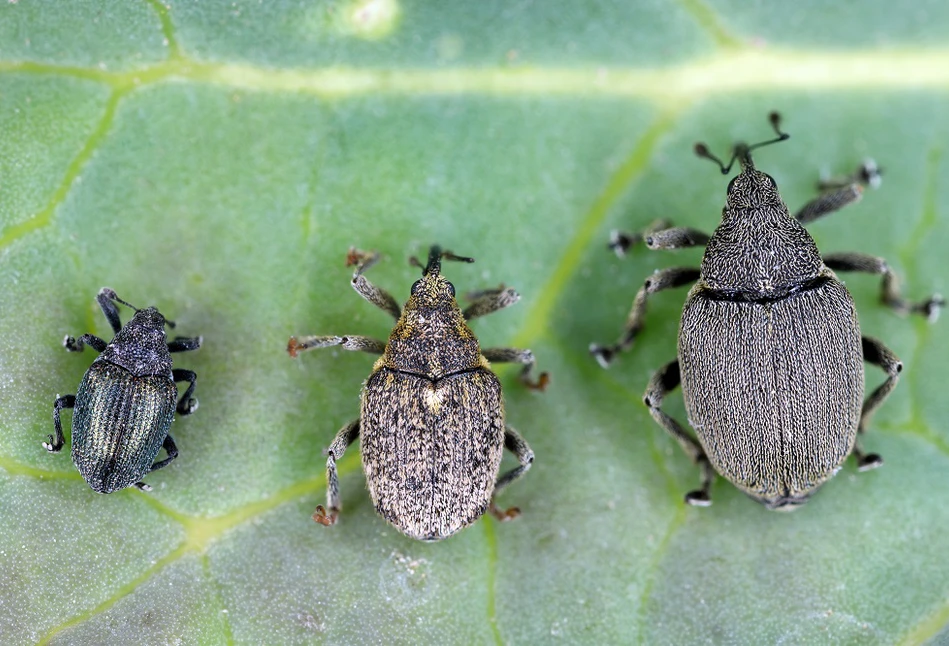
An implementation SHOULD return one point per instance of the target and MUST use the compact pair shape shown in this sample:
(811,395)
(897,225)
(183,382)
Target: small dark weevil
(770,353)
(126,400)
(432,423)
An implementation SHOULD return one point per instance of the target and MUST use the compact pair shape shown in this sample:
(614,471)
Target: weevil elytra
(431,426)
(126,400)
(770,353)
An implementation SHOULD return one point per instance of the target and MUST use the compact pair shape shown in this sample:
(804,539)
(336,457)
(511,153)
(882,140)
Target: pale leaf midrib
(727,72)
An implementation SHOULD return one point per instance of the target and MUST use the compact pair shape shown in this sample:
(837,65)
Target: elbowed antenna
(435,257)
(109,293)
(742,152)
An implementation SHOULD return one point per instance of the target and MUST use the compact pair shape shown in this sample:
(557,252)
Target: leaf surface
(217,160)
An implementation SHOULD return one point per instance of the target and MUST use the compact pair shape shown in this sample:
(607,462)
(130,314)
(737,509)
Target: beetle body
(435,474)
(119,424)
(432,419)
(431,422)
(770,352)
(125,403)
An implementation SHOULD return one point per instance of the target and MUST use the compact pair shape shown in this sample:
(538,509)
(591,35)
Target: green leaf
(217,160)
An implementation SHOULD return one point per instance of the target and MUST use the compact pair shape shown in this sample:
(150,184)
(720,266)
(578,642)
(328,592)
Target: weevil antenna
(435,257)
(742,152)
(434,261)
(109,293)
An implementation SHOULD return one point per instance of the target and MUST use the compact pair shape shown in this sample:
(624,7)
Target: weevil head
(433,291)
(149,319)
(751,188)
(141,346)
(431,337)
(758,250)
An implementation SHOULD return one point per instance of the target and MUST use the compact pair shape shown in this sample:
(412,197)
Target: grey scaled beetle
(432,422)
(126,400)
(770,351)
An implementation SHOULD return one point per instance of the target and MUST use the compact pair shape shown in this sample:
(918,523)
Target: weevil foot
(323,518)
(504,515)
(293,348)
(931,308)
(187,407)
(70,344)
(620,242)
(52,446)
(141,486)
(540,384)
(866,462)
(357,257)
(604,355)
(698,498)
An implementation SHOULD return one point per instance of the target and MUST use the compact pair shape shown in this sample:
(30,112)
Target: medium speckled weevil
(126,400)
(432,422)
(770,354)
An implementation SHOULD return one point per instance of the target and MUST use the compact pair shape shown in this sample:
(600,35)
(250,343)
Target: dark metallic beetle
(770,351)
(432,422)
(126,400)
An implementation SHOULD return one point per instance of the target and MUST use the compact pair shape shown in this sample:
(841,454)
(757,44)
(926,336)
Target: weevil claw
(540,384)
(869,461)
(698,499)
(320,515)
(933,307)
(504,515)
(602,354)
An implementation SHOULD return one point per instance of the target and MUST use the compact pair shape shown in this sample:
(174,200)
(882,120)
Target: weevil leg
(106,299)
(54,445)
(354,343)
(185,344)
(660,280)
(524,357)
(514,443)
(676,238)
(346,436)
(487,301)
(171,449)
(868,174)
(889,285)
(187,404)
(77,345)
(375,295)
(829,202)
(665,380)
(839,192)
(877,354)
(622,241)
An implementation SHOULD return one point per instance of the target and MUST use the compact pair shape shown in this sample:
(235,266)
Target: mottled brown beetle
(432,423)
(770,354)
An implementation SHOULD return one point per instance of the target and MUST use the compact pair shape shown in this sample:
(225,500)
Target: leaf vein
(73,171)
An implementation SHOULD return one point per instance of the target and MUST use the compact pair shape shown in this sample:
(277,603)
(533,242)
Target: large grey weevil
(770,354)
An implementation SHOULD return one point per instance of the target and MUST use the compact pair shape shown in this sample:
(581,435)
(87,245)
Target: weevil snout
(752,188)
(151,318)
(434,290)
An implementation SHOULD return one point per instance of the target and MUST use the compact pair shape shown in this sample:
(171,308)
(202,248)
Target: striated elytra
(125,403)
(770,353)
(431,426)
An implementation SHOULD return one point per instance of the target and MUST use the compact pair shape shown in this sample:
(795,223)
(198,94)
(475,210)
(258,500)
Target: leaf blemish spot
(371,19)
